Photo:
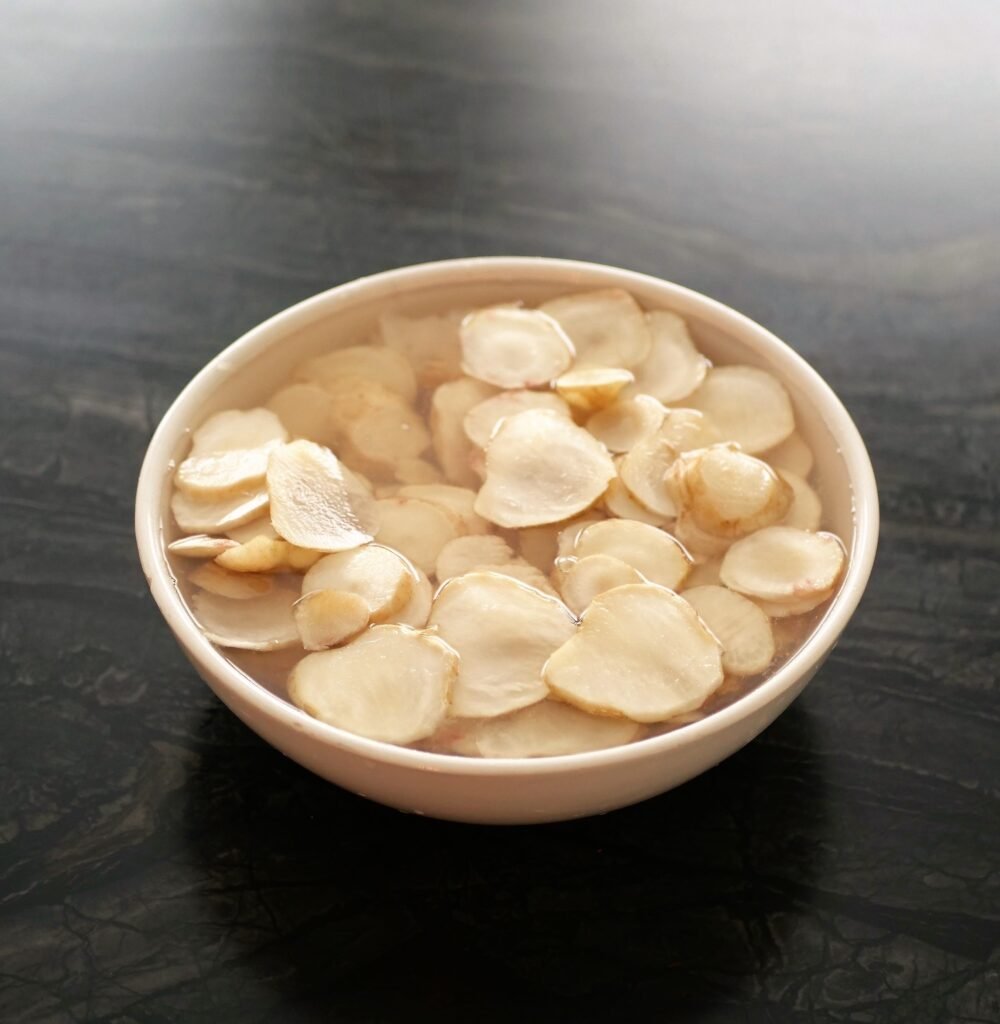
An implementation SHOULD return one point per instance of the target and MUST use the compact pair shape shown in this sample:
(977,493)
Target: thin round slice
(264,623)
(687,429)
(313,505)
(481,420)
(607,327)
(805,511)
(650,551)
(390,684)
(429,343)
(703,574)
(792,455)
(503,632)
(417,529)
(739,625)
(217,515)
(541,468)
(619,502)
(449,405)
(523,572)
(307,411)
(256,528)
(701,545)
(514,348)
(417,471)
(624,423)
(237,430)
(463,554)
(781,563)
(417,610)
(591,388)
(643,471)
(641,652)
(240,586)
(546,729)
(747,405)
(386,367)
(460,501)
(326,618)
(674,367)
(201,545)
(377,574)
(580,580)
(387,434)
(267,554)
(570,533)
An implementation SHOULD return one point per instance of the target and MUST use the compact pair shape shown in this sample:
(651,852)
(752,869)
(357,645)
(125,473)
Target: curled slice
(674,367)
(417,610)
(417,471)
(313,504)
(481,420)
(416,529)
(217,515)
(591,388)
(430,344)
(650,551)
(607,327)
(240,586)
(739,625)
(201,545)
(365,362)
(641,652)
(580,580)
(805,511)
(377,574)
(503,632)
(781,563)
(623,424)
(643,471)
(307,411)
(459,501)
(463,554)
(264,623)
(546,729)
(267,554)
(792,455)
(326,618)
(620,504)
(541,468)
(390,684)
(747,405)
(514,348)
(449,405)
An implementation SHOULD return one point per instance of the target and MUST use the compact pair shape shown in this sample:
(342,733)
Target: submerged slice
(781,563)
(391,684)
(449,405)
(459,501)
(326,618)
(417,610)
(541,468)
(792,455)
(805,511)
(619,503)
(307,411)
(217,515)
(481,420)
(674,367)
(514,348)
(264,623)
(429,343)
(650,551)
(417,529)
(740,626)
(747,405)
(643,471)
(607,327)
(503,632)
(580,580)
(463,554)
(624,423)
(381,577)
(381,365)
(591,388)
(641,652)
(240,586)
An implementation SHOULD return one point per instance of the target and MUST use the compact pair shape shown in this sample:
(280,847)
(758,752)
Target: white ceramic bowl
(486,790)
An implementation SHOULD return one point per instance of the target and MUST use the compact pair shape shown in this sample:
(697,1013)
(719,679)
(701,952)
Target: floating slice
(781,563)
(463,554)
(592,388)
(417,610)
(257,528)
(387,433)
(307,411)
(460,501)
(481,420)
(416,529)
(429,343)
(240,586)
(503,632)
(805,511)
(541,468)
(643,471)
(326,618)
(651,552)
(236,430)
(546,729)
(674,368)
(619,502)
(313,504)
(217,515)
(201,545)
(377,574)
(688,429)
(580,580)
(781,610)
(417,471)
(739,625)
(792,455)
(747,405)
(641,652)
(390,684)
(607,328)
(514,348)
(267,554)
(382,365)
(449,405)
(624,423)
(264,623)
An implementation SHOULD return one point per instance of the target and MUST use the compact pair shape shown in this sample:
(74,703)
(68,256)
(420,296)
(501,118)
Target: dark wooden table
(173,171)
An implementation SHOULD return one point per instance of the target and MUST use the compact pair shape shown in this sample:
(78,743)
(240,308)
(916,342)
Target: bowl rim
(484,269)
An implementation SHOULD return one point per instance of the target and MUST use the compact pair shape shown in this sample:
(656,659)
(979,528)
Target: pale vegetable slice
(541,468)
(354,398)
(257,528)
(267,554)
(379,575)
(481,420)
(307,411)
(514,348)
(463,554)
(793,606)
(238,585)
(624,423)
(538,545)
(643,471)
(460,501)
(201,545)
(703,574)
(417,610)
(546,729)
(739,625)
(805,511)
(747,405)
(217,515)
(503,632)
(591,388)
(429,343)
(619,502)
(417,529)
(781,563)
(449,405)
(313,505)
(569,534)
(641,652)
(390,684)
(650,551)
(687,429)
(326,618)
(700,544)
(417,471)
(387,490)
(264,623)
(386,367)
(674,367)
(792,455)
(386,434)
(580,580)
(607,327)
(237,430)
(521,571)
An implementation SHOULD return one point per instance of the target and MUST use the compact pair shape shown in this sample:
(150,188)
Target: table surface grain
(172,172)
